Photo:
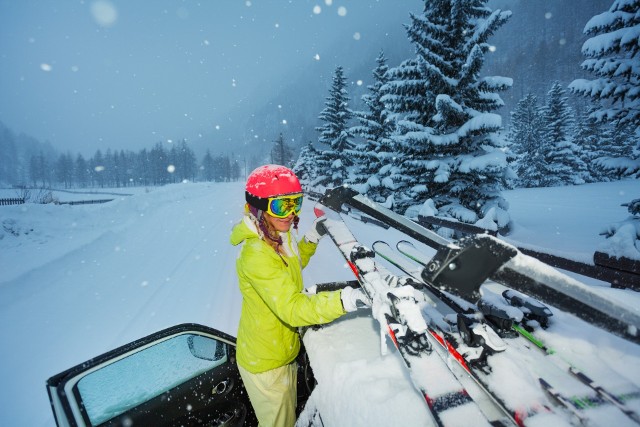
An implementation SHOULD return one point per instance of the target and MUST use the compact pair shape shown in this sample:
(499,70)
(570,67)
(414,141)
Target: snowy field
(77,281)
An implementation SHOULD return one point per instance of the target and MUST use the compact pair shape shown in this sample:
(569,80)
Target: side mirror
(206,348)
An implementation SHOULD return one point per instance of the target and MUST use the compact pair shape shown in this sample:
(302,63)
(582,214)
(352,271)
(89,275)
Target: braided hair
(267,232)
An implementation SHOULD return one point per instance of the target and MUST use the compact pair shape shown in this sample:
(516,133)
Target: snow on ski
(529,407)
(520,272)
(533,310)
(489,366)
(540,314)
(397,310)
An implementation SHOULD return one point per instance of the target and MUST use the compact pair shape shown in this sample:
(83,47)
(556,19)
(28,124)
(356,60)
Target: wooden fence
(18,201)
(13,201)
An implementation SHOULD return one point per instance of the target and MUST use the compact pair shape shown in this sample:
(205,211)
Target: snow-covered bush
(623,238)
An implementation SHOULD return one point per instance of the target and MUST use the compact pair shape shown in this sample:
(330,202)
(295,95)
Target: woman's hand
(353,299)
(317,230)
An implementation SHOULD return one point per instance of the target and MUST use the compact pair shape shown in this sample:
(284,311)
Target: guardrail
(11,201)
(618,272)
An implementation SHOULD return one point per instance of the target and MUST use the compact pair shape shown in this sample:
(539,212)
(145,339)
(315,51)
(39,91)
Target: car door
(184,375)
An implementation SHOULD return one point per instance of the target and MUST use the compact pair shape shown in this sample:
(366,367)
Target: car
(183,375)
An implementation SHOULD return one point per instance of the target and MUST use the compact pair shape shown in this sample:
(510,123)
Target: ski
(450,268)
(462,348)
(564,401)
(531,310)
(576,406)
(398,311)
(463,309)
(538,314)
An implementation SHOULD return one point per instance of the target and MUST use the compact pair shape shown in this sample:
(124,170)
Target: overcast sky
(89,74)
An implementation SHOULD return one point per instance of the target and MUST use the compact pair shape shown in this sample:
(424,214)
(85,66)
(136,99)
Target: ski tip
(544,384)
(320,209)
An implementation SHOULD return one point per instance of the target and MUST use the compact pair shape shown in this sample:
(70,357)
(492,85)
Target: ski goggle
(283,206)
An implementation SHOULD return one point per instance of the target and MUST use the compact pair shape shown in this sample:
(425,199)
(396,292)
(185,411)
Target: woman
(273,302)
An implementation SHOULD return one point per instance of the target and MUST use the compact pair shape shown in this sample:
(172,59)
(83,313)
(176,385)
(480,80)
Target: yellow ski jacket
(273,305)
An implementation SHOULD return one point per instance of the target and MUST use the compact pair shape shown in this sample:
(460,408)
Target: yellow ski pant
(273,395)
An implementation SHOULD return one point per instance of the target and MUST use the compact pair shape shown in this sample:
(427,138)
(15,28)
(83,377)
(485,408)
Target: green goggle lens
(284,206)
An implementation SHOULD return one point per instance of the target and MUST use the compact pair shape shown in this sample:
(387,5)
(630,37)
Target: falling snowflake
(104,13)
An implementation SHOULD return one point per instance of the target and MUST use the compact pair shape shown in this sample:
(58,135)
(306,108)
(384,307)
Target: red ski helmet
(270,181)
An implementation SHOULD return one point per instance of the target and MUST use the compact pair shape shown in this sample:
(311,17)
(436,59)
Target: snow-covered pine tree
(375,151)
(306,167)
(446,132)
(620,146)
(281,153)
(612,54)
(8,172)
(588,134)
(335,133)
(562,162)
(525,136)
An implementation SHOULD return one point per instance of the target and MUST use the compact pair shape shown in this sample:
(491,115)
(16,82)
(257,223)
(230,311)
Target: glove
(353,299)
(317,230)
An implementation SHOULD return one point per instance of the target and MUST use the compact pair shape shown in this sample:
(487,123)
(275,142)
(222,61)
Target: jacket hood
(244,230)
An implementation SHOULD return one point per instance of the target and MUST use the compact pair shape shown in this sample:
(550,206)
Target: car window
(113,389)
